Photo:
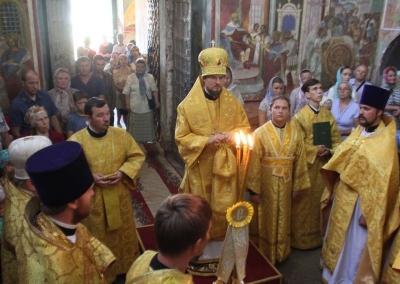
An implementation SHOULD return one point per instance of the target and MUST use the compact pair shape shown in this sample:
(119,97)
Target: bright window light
(91,18)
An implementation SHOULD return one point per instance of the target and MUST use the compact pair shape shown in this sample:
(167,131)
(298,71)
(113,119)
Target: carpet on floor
(157,179)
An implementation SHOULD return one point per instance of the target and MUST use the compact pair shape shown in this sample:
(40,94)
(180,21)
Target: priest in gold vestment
(115,159)
(181,226)
(277,171)
(207,119)
(53,246)
(305,218)
(19,190)
(363,181)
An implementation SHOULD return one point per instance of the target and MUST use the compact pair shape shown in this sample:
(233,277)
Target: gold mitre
(213,61)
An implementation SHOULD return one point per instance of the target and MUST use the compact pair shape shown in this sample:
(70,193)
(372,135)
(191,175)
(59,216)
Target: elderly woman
(140,87)
(345,110)
(38,119)
(62,95)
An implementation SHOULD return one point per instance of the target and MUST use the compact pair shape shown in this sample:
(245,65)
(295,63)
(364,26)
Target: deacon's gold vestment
(210,170)
(111,219)
(14,208)
(278,166)
(365,168)
(142,273)
(305,222)
(45,255)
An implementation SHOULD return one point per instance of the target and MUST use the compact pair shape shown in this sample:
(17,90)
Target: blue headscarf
(339,80)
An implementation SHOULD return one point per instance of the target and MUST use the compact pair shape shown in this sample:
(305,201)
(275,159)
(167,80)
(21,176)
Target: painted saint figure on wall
(13,60)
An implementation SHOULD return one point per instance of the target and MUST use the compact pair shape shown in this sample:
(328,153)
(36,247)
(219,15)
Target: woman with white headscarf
(140,88)
(275,88)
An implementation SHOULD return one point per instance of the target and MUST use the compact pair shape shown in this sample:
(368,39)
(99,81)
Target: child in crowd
(77,121)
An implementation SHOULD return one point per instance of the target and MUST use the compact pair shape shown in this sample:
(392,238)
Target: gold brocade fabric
(141,272)
(111,219)
(45,255)
(391,274)
(234,254)
(277,167)
(198,119)
(14,206)
(364,167)
(305,218)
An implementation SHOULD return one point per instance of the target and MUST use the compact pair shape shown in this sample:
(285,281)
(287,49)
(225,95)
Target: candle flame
(237,137)
(244,140)
(250,140)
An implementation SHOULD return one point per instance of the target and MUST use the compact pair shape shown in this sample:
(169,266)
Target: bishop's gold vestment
(210,170)
(365,168)
(142,273)
(14,208)
(111,219)
(305,218)
(277,167)
(45,255)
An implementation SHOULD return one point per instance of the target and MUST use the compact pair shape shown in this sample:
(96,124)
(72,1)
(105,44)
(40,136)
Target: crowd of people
(317,176)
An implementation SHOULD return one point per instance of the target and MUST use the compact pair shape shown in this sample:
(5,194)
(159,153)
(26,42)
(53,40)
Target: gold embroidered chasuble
(111,219)
(46,255)
(277,167)
(305,219)
(14,208)
(390,274)
(142,273)
(365,168)
(210,170)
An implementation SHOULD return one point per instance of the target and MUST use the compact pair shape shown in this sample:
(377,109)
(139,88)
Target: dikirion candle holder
(244,149)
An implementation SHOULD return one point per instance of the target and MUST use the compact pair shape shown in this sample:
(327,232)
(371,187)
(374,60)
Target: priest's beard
(215,93)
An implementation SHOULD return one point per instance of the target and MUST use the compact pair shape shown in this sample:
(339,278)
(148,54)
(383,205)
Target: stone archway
(391,56)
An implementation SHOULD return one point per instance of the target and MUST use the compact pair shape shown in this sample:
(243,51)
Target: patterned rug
(158,178)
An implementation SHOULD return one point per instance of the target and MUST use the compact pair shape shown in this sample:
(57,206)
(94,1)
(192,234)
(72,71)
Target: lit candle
(238,157)
(245,147)
(246,166)
(238,148)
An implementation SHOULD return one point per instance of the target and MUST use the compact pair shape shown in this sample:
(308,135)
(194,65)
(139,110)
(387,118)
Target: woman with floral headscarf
(62,95)
(140,87)
(37,118)
(389,83)
(275,88)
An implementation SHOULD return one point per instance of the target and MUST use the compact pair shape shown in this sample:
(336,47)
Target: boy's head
(183,222)
(80,99)
(313,90)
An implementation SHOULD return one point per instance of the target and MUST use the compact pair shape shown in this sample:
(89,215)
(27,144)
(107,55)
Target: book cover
(322,134)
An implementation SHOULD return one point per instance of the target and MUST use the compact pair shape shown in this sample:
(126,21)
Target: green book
(322,134)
